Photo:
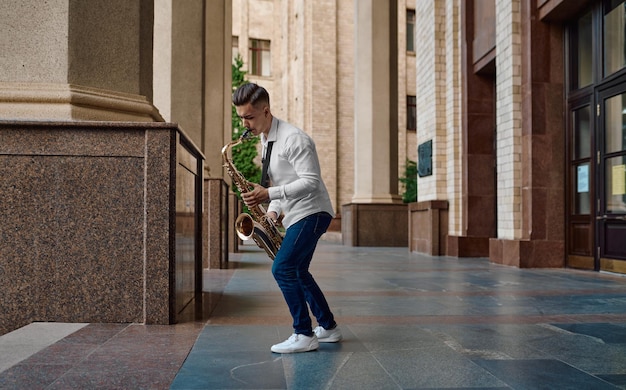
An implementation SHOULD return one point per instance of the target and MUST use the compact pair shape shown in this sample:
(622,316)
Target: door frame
(603,221)
(580,228)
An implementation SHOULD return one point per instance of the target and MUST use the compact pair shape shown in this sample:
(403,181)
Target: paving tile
(609,333)
(118,379)
(231,370)
(542,374)
(434,367)
(28,376)
(337,370)
(24,342)
(617,380)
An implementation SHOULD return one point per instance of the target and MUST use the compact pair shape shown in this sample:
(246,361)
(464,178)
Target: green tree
(409,182)
(245,153)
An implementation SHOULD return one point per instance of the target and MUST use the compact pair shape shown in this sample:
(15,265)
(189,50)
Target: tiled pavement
(409,322)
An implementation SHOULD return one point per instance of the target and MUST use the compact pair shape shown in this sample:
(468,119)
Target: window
(411,112)
(235,47)
(614,36)
(581,160)
(583,52)
(410,30)
(259,57)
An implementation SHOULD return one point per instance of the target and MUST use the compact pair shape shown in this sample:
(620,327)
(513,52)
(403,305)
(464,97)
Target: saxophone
(255,225)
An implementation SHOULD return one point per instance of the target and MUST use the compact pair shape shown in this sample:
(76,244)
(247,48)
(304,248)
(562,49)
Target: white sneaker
(328,336)
(297,343)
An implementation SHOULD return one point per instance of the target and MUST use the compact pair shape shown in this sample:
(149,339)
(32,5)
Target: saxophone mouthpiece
(246,134)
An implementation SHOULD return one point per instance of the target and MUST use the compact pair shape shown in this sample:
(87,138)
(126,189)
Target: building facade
(527,130)
(517,133)
(303,54)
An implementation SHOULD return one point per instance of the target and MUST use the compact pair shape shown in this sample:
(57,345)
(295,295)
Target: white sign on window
(582,178)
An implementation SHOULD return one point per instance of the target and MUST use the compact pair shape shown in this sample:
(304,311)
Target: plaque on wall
(425,159)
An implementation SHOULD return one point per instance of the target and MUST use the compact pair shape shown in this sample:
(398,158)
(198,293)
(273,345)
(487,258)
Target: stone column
(375,97)
(72,59)
(217,125)
(530,139)
(474,223)
(321,92)
(376,216)
(509,119)
(437,123)
(217,82)
(193,89)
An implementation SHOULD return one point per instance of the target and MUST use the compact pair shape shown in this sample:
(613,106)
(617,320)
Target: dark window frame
(411,113)
(256,48)
(410,25)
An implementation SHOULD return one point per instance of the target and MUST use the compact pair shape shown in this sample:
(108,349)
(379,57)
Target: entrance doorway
(611,155)
(596,137)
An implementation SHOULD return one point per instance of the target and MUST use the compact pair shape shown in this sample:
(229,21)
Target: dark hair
(250,93)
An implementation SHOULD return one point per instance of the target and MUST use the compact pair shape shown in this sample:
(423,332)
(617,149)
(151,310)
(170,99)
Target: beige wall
(407,140)
(439,102)
(312,79)
(454,144)
(345,102)
(509,118)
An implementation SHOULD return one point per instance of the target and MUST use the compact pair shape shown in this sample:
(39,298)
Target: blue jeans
(291,271)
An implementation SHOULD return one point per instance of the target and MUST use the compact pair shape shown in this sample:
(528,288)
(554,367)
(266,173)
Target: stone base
(99,222)
(374,224)
(462,246)
(527,254)
(235,207)
(335,223)
(216,223)
(428,227)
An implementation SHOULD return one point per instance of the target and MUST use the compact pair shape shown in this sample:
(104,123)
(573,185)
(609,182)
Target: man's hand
(258,195)
(276,220)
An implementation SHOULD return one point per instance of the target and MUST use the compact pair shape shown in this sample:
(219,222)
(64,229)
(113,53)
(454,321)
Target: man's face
(255,119)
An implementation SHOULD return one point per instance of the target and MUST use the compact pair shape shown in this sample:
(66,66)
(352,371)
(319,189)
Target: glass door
(582,193)
(611,177)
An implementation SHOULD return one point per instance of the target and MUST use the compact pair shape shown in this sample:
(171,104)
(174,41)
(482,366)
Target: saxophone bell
(247,228)
(244,226)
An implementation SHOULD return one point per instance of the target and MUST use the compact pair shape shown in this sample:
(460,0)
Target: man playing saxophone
(299,194)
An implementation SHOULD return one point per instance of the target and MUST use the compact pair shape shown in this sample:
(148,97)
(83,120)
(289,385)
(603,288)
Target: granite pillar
(376,130)
(100,222)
